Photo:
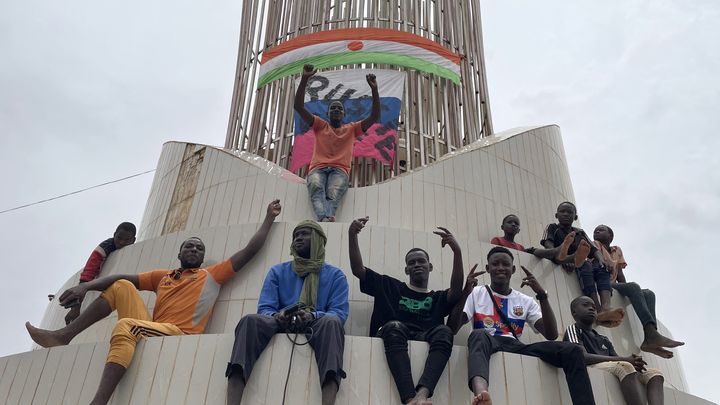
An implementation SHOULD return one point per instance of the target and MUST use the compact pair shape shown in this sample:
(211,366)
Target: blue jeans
(593,278)
(326,187)
(642,300)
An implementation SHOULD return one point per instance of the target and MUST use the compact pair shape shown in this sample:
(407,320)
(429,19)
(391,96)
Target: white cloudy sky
(90,90)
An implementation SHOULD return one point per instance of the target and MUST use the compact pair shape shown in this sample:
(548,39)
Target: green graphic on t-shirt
(415,305)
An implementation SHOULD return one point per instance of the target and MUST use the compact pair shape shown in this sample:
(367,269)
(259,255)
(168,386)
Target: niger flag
(347,46)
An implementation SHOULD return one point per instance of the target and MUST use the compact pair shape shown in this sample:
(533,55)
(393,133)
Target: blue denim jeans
(326,187)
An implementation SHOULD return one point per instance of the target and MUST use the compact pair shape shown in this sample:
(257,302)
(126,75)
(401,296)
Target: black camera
(291,309)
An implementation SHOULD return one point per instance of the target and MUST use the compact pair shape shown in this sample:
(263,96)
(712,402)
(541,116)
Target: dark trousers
(253,333)
(567,355)
(592,278)
(395,336)
(642,300)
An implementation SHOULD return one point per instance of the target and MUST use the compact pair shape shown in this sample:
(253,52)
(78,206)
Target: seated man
(498,322)
(124,235)
(636,382)
(642,299)
(410,311)
(571,247)
(185,298)
(321,290)
(329,170)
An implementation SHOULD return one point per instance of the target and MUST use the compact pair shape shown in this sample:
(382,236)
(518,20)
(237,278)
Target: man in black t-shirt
(409,311)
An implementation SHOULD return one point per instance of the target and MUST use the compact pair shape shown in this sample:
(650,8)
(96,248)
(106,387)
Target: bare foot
(609,324)
(611,315)
(582,253)
(45,338)
(564,246)
(658,351)
(653,338)
(482,399)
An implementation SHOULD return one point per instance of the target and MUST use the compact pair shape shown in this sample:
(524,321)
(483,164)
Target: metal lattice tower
(437,116)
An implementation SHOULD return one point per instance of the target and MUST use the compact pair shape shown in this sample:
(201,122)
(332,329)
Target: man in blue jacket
(319,290)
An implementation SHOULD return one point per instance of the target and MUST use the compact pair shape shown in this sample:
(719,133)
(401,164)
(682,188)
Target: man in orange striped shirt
(185,298)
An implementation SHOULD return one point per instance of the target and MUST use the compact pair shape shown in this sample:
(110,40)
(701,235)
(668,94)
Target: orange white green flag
(347,46)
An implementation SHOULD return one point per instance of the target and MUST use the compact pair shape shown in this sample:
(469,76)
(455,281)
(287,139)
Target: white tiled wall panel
(190,370)
(521,171)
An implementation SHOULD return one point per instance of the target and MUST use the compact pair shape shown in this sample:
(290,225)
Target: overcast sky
(90,90)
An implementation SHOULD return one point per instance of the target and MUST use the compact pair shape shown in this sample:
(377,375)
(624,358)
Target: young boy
(124,235)
(510,227)
(642,300)
(410,311)
(571,247)
(636,381)
(499,315)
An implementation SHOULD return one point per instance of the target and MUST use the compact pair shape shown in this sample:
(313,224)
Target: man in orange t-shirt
(185,298)
(329,170)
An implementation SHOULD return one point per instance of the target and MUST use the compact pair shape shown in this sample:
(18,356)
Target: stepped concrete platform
(190,370)
(221,197)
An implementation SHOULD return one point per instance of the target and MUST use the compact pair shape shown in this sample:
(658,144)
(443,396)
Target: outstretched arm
(457,317)
(375,113)
(99,284)
(240,259)
(308,71)
(456,277)
(548,251)
(547,325)
(356,263)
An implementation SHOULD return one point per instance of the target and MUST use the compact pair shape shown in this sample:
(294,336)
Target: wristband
(542,296)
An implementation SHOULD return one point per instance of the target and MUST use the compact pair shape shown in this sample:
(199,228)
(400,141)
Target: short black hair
(576,301)
(417,250)
(192,237)
(126,226)
(568,203)
(508,216)
(610,231)
(500,249)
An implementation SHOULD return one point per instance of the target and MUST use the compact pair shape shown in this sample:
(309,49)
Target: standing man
(411,311)
(185,299)
(499,315)
(303,295)
(329,171)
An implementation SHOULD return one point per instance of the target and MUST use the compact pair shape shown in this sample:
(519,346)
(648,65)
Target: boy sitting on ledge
(124,235)
(636,382)
(571,248)
(642,299)
(499,315)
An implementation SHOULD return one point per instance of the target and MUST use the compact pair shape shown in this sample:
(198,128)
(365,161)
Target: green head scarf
(309,269)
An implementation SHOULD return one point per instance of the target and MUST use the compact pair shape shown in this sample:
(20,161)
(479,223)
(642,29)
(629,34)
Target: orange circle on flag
(355,45)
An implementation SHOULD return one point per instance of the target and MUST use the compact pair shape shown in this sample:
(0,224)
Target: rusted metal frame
(245,84)
(249,120)
(468,102)
(484,97)
(230,136)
